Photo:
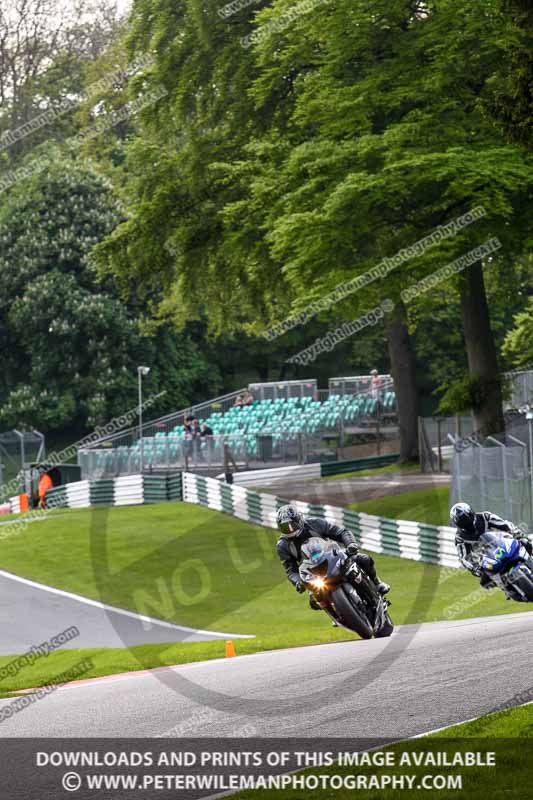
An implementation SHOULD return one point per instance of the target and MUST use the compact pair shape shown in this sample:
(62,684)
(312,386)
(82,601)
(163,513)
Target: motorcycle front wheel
(387,627)
(525,582)
(353,618)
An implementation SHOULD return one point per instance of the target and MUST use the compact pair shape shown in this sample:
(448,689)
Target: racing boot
(381,586)
(365,562)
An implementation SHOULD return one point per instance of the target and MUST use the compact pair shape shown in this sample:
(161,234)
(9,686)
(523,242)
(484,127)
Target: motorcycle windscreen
(314,550)
(499,551)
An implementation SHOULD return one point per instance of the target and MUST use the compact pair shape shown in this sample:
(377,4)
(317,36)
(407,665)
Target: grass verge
(204,569)
(362,473)
(507,734)
(426,505)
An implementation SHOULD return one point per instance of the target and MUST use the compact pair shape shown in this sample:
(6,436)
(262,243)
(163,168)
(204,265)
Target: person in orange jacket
(45,483)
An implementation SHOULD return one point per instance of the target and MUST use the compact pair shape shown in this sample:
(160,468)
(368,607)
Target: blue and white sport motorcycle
(507,563)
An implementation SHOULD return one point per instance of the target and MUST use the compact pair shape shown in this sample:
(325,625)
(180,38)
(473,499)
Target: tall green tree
(386,142)
(45,48)
(344,133)
(518,344)
(70,343)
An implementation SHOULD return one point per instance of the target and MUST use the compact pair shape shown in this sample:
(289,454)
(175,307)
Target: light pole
(527,411)
(140,372)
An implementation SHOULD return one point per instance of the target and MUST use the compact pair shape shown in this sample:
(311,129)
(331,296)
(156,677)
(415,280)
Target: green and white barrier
(15,504)
(412,540)
(402,538)
(264,477)
(77,494)
(128,490)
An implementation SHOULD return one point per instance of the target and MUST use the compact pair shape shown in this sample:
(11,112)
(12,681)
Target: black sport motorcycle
(343,590)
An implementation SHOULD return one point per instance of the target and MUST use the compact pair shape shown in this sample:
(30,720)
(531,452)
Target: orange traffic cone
(230,650)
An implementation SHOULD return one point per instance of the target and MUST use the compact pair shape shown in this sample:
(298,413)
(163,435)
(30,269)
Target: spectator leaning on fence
(187,430)
(196,430)
(196,435)
(187,425)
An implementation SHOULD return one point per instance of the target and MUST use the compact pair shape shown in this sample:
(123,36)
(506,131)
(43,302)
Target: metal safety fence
(298,405)
(520,388)
(17,449)
(434,444)
(496,475)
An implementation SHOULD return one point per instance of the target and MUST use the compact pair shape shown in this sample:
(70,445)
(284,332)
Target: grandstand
(290,426)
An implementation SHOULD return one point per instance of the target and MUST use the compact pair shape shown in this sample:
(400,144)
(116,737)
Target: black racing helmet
(289,520)
(462,516)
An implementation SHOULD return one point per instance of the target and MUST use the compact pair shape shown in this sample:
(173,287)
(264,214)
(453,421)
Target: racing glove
(525,541)
(352,549)
(300,588)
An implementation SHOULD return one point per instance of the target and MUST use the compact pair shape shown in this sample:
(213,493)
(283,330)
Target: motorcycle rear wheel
(351,617)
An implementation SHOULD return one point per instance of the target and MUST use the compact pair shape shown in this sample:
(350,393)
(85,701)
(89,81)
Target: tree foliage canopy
(70,343)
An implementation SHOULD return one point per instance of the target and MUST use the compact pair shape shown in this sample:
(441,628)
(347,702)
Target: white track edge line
(466,721)
(115,609)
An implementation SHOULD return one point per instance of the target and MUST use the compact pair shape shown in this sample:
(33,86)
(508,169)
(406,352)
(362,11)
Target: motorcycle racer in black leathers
(469,527)
(295,530)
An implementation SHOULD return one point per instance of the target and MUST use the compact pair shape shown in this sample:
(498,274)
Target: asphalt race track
(343,491)
(31,613)
(423,678)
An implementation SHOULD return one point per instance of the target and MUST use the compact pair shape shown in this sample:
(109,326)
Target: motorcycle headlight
(319,583)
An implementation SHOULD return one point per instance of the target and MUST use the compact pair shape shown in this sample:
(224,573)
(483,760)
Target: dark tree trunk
(404,375)
(263,370)
(481,350)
